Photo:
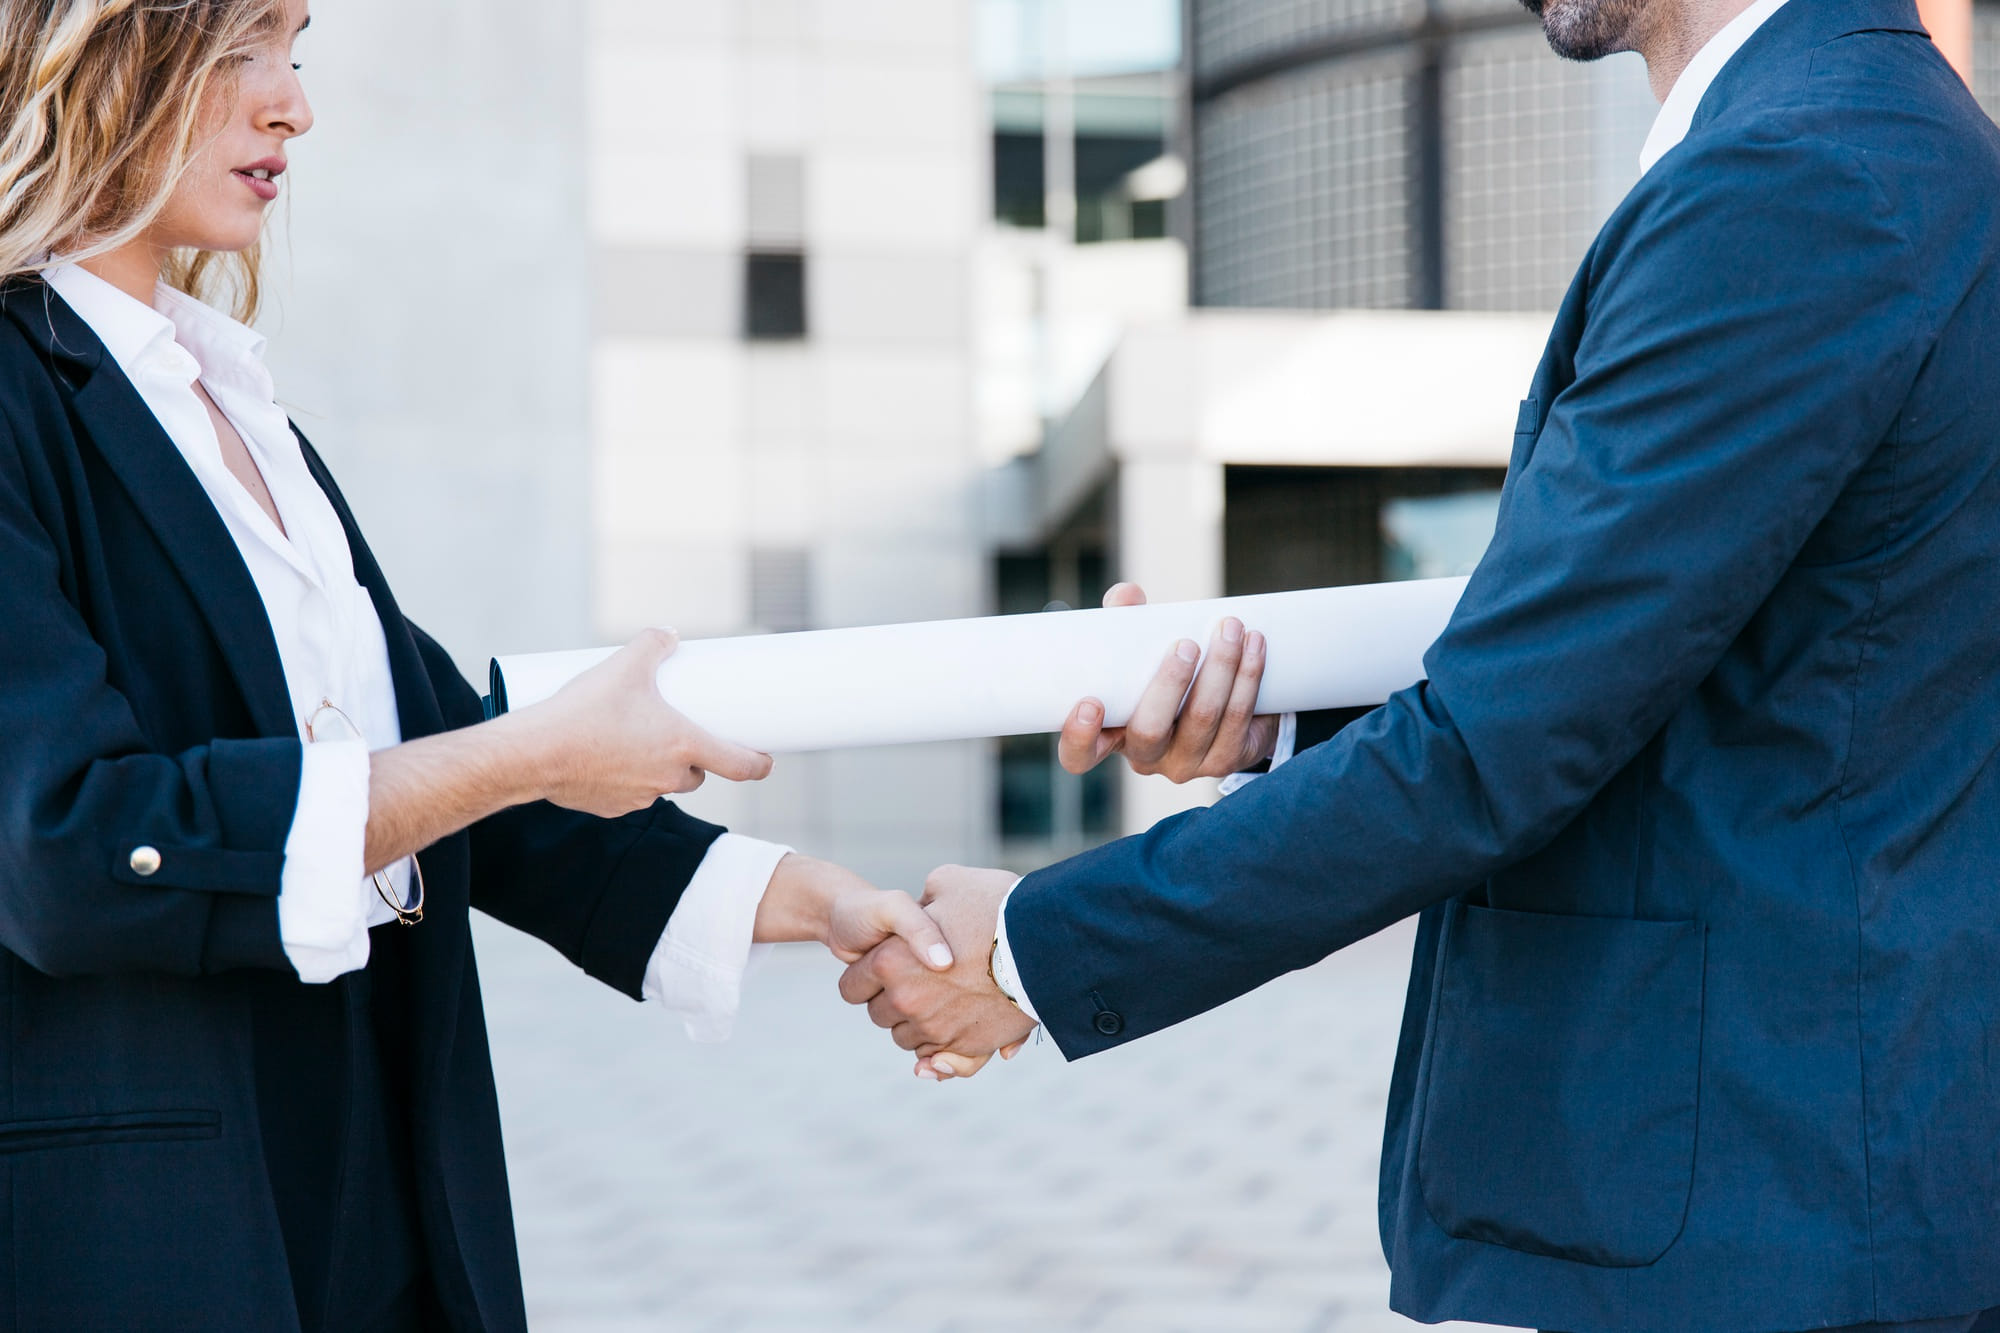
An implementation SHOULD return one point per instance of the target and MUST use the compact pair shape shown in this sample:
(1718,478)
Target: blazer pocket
(1564,1072)
(1527,429)
(80,1131)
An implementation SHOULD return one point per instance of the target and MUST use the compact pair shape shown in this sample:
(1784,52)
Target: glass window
(1306,188)
(1323,527)
(774,300)
(1046,812)
(1437,536)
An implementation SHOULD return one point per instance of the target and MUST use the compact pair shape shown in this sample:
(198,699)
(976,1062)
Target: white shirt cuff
(697,969)
(1004,972)
(322,916)
(1281,750)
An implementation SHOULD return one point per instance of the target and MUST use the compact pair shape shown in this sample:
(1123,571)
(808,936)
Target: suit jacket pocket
(1527,428)
(123,1127)
(1563,1075)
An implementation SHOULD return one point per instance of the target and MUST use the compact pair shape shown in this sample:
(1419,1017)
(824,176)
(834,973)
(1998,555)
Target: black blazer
(147,1137)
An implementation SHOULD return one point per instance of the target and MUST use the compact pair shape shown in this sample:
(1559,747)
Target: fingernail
(943,1066)
(1255,643)
(1090,712)
(1232,629)
(926,1075)
(1187,650)
(1008,1055)
(940,956)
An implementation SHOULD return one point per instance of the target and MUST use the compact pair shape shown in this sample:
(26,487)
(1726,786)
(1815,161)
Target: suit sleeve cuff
(697,969)
(322,916)
(1005,973)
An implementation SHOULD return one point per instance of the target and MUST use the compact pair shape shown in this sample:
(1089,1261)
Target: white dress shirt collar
(1684,99)
(133,332)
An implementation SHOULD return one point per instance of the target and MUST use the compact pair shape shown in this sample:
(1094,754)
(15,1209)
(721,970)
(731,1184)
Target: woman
(241,1093)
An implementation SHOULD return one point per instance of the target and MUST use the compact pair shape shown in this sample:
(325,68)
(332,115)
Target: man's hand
(809,899)
(1212,734)
(954,1020)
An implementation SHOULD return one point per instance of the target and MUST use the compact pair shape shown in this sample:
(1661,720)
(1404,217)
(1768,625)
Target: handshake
(925,969)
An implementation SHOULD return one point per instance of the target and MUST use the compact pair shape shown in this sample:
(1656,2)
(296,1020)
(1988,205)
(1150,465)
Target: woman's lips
(261,180)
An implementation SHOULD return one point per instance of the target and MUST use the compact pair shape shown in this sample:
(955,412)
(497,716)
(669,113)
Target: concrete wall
(853,130)
(429,307)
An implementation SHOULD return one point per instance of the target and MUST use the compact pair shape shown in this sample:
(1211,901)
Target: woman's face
(219,203)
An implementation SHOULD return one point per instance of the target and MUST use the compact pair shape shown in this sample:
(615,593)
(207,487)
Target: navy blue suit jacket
(1700,804)
(146,1142)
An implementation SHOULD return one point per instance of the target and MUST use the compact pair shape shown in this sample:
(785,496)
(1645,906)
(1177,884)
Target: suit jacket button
(1110,1023)
(145,860)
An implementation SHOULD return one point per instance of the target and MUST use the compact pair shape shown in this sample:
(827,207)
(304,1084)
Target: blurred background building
(767,315)
(1986,54)
(758,315)
(761,315)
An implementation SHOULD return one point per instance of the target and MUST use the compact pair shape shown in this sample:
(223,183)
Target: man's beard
(1587,29)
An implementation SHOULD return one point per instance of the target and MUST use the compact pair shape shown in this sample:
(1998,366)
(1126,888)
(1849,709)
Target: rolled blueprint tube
(1012,675)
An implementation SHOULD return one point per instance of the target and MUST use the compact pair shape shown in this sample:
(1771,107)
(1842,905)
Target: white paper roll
(1012,675)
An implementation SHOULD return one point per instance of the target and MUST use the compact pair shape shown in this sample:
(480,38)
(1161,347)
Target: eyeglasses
(413,913)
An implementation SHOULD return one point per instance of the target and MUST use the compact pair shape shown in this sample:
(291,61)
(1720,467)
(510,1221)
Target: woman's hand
(1208,731)
(810,899)
(608,744)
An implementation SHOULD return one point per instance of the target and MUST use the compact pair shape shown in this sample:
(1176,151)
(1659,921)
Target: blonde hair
(102,108)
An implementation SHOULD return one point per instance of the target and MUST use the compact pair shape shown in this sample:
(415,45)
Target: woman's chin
(230,240)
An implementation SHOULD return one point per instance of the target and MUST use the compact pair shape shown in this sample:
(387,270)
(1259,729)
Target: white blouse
(331,645)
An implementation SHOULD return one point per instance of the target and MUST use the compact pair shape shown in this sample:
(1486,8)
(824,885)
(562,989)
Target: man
(1700,804)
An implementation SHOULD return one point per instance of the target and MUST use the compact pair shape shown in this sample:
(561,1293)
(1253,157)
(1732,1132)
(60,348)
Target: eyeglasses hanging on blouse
(406,915)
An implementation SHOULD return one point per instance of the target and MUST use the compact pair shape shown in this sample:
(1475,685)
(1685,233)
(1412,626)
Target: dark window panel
(1027,786)
(1321,527)
(774,305)
(1021,583)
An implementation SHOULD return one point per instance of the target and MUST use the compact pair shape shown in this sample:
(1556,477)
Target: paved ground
(797,1179)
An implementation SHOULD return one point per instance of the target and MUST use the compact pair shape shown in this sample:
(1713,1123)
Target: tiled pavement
(1220,1176)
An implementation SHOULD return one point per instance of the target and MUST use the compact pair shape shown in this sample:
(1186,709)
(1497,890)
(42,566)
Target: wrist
(797,904)
(528,758)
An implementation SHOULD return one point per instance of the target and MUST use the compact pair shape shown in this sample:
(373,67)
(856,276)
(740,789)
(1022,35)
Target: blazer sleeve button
(145,860)
(1109,1022)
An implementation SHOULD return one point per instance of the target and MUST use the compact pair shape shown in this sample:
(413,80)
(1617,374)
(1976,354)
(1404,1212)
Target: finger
(859,984)
(1201,714)
(1083,744)
(1232,738)
(905,1035)
(950,1064)
(897,914)
(1125,594)
(884,1013)
(726,759)
(1151,727)
(1012,1049)
(654,646)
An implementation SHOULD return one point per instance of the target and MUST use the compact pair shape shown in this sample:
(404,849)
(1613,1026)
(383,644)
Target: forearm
(797,904)
(430,788)
(1211,904)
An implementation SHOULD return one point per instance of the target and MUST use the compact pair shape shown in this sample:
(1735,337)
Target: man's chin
(1585,29)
